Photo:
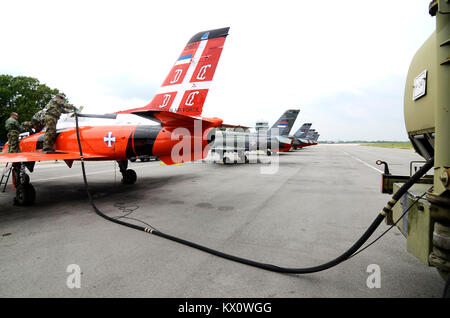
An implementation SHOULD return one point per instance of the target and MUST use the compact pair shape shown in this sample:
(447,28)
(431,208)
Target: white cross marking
(186,85)
(109,139)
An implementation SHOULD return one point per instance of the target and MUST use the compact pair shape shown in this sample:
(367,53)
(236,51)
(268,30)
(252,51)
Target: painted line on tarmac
(370,166)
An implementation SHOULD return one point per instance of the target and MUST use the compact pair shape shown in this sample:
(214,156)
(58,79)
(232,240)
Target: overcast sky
(342,63)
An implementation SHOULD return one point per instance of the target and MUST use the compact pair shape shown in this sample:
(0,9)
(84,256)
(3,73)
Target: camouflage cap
(61,95)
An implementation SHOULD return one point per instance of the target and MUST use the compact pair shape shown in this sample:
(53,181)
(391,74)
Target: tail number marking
(201,74)
(190,98)
(165,101)
(178,73)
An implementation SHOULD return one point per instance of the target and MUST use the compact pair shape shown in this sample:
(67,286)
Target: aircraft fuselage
(123,142)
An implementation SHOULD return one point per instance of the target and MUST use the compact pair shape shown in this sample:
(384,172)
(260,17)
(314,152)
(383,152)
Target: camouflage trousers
(13,141)
(50,133)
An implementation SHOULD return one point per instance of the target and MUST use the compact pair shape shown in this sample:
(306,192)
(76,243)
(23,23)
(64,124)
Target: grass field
(399,145)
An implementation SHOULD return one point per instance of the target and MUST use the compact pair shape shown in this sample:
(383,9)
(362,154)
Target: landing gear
(129,176)
(226,160)
(25,179)
(233,157)
(242,157)
(25,193)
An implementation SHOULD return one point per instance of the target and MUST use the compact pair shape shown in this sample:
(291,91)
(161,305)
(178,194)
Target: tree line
(23,95)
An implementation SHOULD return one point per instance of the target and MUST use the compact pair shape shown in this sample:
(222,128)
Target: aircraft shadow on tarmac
(56,193)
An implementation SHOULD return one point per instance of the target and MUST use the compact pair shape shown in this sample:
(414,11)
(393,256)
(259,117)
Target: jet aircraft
(182,134)
(271,140)
(304,137)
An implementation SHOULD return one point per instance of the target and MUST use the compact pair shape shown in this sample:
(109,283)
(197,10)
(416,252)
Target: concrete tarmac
(302,211)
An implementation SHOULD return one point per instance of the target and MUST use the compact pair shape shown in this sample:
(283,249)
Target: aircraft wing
(40,156)
(303,140)
(234,126)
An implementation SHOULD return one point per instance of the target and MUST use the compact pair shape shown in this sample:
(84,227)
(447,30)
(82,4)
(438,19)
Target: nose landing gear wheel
(129,176)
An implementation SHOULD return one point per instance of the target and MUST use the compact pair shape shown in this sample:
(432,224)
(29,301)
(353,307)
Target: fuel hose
(274,268)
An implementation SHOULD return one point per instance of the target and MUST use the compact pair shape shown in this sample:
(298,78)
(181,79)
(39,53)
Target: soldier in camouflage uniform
(13,128)
(54,109)
(38,120)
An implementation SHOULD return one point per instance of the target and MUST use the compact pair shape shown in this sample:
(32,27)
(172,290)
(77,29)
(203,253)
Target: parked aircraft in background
(268,140)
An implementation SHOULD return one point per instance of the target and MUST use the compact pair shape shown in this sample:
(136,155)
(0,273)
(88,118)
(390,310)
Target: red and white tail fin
(185,88)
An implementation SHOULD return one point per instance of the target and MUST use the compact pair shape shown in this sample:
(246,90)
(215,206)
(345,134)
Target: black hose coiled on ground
(421,172)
